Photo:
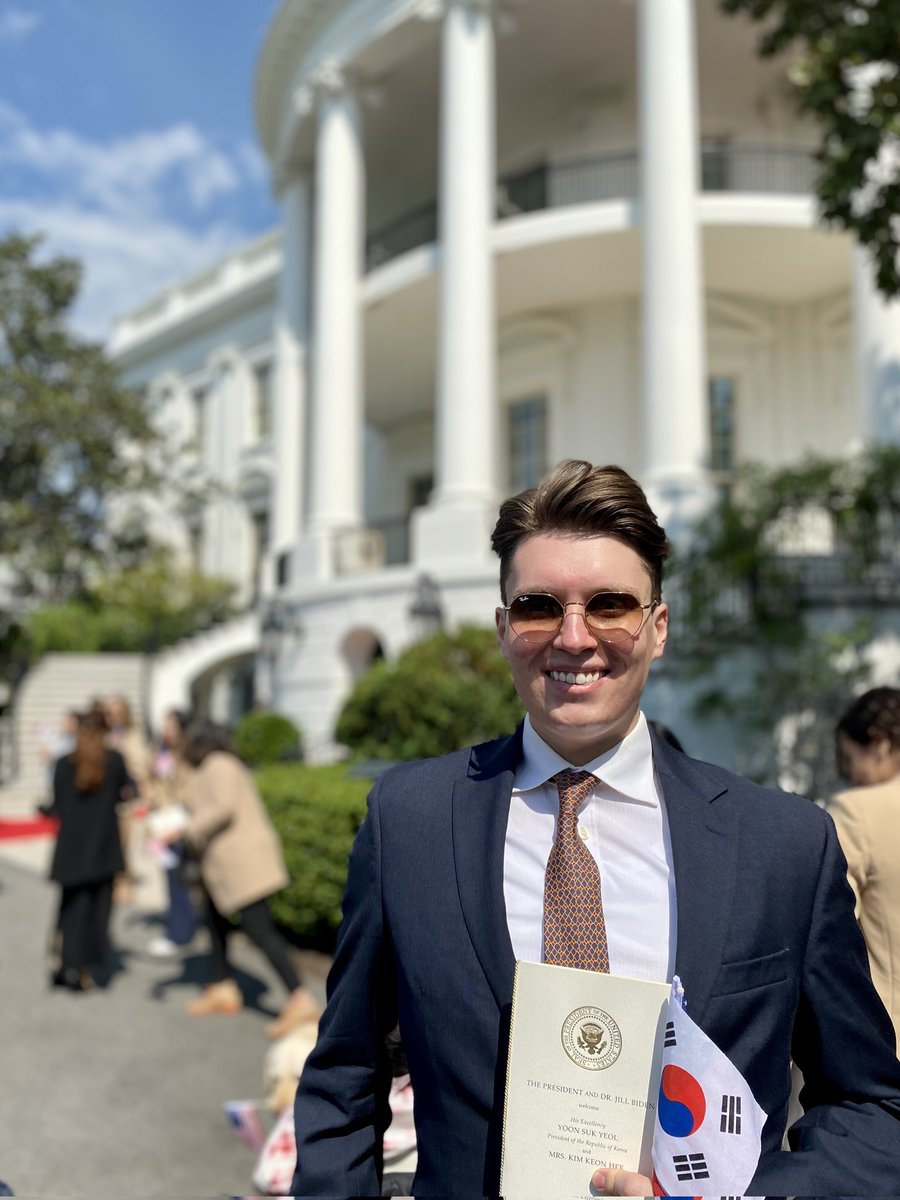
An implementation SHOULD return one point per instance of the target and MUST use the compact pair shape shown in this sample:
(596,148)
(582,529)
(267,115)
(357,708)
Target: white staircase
(57,684)
(61,682)
(177,668)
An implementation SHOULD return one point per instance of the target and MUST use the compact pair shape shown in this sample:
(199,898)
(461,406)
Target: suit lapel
(704,852)
(480,814)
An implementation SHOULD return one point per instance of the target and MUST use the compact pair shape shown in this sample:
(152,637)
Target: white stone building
(513,232)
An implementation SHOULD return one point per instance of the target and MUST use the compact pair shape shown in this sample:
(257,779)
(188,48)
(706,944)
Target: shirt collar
(627,768)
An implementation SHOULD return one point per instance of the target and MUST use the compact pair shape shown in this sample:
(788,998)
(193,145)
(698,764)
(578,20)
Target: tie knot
(574,788)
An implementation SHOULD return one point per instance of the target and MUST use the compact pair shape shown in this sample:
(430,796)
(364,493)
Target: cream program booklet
(582,1082)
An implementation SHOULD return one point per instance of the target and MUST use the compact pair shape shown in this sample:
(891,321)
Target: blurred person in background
(88,786)
(55,743)
(167,791)
(241,865)
(127,738)
(867,817)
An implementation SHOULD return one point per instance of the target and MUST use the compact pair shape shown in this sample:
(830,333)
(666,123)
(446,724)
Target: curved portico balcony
(768,170)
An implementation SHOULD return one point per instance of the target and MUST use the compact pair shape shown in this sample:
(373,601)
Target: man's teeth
(572,677)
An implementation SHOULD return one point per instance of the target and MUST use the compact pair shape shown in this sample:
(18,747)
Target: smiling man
(681,867)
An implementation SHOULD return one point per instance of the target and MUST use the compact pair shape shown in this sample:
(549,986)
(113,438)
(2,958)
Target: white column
(877,346)
(676,426)
(336,434)
(291,335)
(228,528)
(457,524)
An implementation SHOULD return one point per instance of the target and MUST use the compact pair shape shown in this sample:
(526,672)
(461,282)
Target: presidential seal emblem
(591,1038)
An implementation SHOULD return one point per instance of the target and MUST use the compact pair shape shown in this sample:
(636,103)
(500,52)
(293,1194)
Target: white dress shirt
(624,826)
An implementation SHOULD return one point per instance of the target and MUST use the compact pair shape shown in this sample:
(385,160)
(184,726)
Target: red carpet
(27,827)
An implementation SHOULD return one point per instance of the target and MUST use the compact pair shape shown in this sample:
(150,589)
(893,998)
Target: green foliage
(135,610)
(262,738)
(317,811)
(847,77)
(751,603)
(445,692)
(72,440)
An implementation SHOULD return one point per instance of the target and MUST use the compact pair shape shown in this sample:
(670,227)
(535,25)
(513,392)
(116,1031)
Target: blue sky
(127,137)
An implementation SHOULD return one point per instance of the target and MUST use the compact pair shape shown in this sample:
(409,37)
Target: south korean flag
(708,1125)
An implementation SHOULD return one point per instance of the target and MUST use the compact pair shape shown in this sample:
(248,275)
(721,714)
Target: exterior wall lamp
(280,627)
(426,611)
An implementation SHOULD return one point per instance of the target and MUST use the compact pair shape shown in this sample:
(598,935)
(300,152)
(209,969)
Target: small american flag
(243,1117)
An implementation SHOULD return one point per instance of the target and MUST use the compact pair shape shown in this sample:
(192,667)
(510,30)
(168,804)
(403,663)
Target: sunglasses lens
(536,617)
(614,615)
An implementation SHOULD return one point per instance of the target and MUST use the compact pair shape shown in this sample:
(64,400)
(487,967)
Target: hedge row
(316,811)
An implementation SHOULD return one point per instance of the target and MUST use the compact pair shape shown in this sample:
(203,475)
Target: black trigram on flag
(731,1115)
(670,1035)
(690,1166)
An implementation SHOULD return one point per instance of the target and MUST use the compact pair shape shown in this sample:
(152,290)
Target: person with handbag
(241,866)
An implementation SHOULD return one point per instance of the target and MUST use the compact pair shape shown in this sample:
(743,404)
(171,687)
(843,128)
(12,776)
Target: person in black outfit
(88,784)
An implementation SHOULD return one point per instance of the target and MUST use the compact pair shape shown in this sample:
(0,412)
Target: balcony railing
(395,531)
(724,167)
(862,575)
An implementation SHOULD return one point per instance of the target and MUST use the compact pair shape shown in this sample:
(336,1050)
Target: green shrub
(137,610)
(64,627)
(262,738)
(317,811)
(443,693)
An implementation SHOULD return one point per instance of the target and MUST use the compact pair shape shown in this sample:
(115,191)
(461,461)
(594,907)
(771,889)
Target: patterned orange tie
(574,928)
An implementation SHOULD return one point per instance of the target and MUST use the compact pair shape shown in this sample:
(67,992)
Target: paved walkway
(118,1092)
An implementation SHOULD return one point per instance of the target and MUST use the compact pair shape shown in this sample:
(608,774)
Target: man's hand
(613,1182)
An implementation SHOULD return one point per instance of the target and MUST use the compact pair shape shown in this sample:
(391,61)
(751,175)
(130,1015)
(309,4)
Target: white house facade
(513,232)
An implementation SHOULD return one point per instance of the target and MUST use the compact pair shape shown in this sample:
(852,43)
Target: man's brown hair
(582,500)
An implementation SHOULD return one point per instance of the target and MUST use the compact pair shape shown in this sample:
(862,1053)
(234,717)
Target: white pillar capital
(437,10)
(331,78)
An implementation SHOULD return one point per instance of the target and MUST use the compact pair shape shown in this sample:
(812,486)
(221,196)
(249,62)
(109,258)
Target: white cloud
(125,262)
(137,211)
(17,23)
(125,174)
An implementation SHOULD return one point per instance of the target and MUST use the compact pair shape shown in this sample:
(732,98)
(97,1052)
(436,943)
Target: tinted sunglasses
(537,617)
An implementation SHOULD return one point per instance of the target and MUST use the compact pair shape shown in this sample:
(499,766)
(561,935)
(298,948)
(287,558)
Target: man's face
(580,720)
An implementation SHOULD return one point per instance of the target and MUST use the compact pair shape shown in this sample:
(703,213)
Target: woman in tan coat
(868,824)
(241,865)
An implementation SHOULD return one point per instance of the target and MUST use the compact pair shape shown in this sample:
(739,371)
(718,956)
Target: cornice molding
(435,10)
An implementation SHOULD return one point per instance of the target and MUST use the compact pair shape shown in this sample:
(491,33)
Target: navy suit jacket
(768,949)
